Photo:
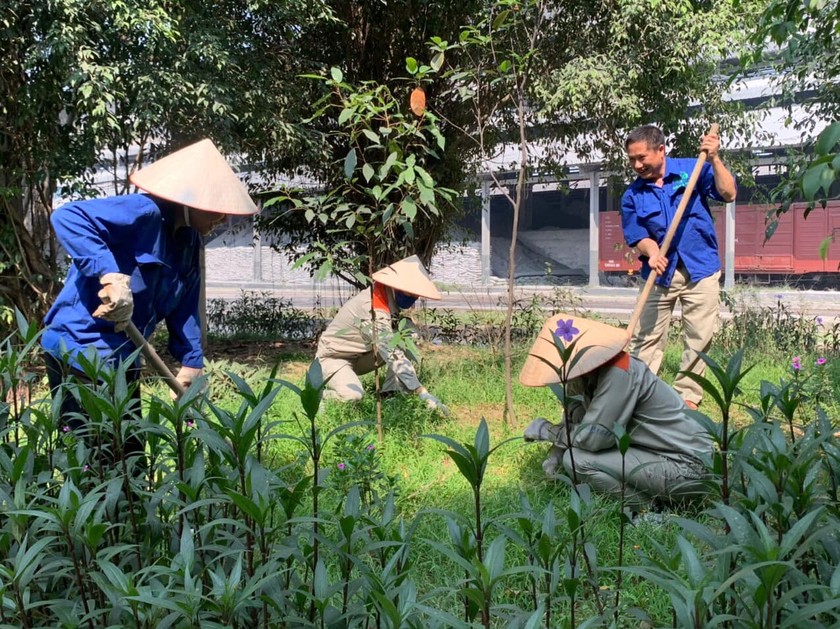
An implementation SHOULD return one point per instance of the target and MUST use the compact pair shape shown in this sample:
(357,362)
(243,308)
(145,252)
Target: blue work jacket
(134,235)
(648,210)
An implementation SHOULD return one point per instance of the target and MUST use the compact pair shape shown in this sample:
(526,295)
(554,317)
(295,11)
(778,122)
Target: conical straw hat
(196,176)
(595,344)
(409,276)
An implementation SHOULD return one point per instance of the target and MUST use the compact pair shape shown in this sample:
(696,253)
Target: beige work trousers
(700,304)
(345,384)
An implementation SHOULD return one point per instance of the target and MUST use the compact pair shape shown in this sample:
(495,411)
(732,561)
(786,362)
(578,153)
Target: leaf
(500,19)
(367,172)
(450,553)
(336,75)
(437,61)
(350,163)
(409,230)
(812,180)
(835,582)
(828,139)
(792,539)
(372,136)
(467,467)
(345,114)
(482,439)
(320,582)
(246,505)
(495,559)
(411,65)
(116,577)
(389,163)
(409,208)
(824,247)
(424,176)
(28,559)
(691,561)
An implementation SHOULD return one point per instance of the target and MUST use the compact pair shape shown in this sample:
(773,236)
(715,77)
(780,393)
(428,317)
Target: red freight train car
(792,253)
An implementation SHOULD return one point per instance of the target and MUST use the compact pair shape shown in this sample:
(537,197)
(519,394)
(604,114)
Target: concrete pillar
(257,242)
(526,208)
(594,225)
(729,247)
(485,231)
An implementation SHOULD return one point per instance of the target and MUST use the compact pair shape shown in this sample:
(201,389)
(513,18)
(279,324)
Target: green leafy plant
(237,518)
(379,192)
(260,315)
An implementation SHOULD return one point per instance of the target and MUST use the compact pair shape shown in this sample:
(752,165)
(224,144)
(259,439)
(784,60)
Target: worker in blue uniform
(136,258)
(690,273)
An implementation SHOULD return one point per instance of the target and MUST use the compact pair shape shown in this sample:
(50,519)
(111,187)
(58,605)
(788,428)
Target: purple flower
(566,330)
(797,363)
(341,466)
(779,297)
(821,361)
(86,468)
(819,320)
(65,429)
(371,447)
(190,423)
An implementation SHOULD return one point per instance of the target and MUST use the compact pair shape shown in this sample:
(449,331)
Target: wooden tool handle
(152,356)
(669,235)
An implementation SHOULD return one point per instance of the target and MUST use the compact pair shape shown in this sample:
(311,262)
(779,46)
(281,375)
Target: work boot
(553,462)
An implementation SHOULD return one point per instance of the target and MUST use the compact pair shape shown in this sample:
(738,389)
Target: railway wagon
(792,253)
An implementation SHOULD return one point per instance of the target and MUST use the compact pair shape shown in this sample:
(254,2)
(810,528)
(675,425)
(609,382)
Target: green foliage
(379,193)
(482,327)
(358,465)
(595,72)
(238,517)
(259,315)
(96,88)
(776,329)
(798,40)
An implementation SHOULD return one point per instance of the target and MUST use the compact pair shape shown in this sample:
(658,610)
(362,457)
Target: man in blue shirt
(136,258)
(690,271)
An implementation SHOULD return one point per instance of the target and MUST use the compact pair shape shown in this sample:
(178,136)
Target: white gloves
(185,377)
(433,403)
(117,300)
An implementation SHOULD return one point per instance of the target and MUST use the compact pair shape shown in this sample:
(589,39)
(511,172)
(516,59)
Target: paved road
(615,303)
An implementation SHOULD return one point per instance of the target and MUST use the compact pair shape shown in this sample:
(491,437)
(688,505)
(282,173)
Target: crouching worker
(347,348)
(135,258)
(607,388)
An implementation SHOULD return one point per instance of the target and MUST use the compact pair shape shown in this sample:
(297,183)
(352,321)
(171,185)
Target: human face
(649,163)
(204,222)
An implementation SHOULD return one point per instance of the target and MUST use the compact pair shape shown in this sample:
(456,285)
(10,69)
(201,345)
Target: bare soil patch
(259,353)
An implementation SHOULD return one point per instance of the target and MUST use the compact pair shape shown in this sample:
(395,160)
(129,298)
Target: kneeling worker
(346,348)
(607,388)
